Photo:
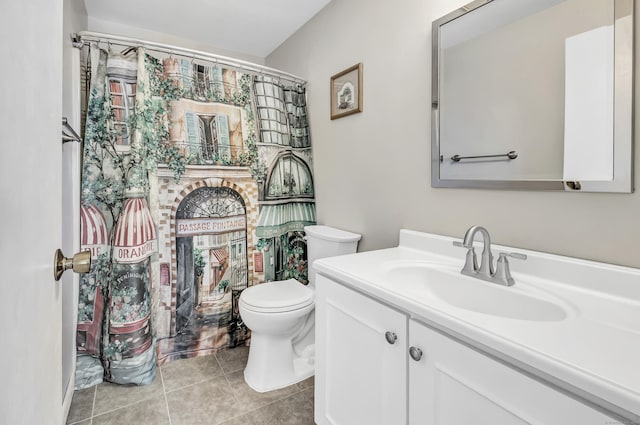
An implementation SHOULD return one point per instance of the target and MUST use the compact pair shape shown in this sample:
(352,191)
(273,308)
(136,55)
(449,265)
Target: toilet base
(303,369)
(272,364)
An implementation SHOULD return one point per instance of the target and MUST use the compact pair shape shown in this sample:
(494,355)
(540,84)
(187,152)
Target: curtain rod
(86,37)
(68,133)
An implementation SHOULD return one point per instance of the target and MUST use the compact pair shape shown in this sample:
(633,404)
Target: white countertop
(593,353)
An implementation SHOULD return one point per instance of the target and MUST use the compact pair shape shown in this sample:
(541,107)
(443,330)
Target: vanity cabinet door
(361,361)
(453,384)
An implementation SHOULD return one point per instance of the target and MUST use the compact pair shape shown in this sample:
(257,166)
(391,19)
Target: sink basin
(423,281)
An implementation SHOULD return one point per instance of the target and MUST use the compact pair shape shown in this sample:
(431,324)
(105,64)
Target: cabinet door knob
(391,337)
(415,353)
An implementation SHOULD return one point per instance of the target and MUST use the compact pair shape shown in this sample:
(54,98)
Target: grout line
(226,378)
(219,364)
(298,390)
(235,396)
(193,383)
(93,405)
(231,387)
(128,404)
(266,405)
(122,406)
(164,393)
(125,405)
(204,379)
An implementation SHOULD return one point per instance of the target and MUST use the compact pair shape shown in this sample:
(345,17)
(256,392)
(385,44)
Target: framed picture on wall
(346,92)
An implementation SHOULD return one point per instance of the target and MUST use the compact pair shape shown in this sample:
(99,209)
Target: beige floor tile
(206,403)
(181,373)
(252,399)
(112,396)
(233,359)
(296,409)
(81,405)
(152,411)
(307,383)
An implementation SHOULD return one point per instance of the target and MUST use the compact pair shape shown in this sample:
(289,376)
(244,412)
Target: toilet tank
(325,241)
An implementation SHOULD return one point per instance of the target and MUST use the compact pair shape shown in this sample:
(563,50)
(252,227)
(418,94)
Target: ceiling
(254,27)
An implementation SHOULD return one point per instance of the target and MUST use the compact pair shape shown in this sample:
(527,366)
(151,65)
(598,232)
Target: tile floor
(199,391)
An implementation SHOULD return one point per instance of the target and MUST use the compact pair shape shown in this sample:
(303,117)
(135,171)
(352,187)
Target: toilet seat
(277,297)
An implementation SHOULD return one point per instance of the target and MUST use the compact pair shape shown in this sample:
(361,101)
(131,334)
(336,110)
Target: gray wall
(372,169)
(74,20)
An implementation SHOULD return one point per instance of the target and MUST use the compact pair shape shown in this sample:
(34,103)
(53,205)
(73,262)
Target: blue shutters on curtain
(215,79)
(224,142)
(186,75)
(193,138)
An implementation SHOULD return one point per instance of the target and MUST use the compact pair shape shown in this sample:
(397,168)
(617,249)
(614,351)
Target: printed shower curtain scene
(197,182)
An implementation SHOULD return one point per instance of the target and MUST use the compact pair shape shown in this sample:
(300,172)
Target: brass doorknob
(80,263)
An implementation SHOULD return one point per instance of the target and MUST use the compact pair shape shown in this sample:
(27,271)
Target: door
(71,174)
(30,211)
(450,375)
(361,361)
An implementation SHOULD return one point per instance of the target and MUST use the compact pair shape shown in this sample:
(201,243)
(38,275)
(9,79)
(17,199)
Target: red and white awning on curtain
(135,233)
(93,230)
(220,256)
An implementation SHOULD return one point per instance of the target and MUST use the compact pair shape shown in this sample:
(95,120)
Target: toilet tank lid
(331,233)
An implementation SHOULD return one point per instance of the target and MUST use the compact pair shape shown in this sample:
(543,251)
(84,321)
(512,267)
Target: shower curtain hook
(128,50)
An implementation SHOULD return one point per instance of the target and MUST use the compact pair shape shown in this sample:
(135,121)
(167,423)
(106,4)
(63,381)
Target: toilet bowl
(276,312)
(281,317)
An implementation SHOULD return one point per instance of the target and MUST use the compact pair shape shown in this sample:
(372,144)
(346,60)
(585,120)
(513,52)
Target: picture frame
(346,92)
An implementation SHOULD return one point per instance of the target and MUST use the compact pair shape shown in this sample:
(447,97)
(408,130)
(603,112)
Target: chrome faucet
(486,271)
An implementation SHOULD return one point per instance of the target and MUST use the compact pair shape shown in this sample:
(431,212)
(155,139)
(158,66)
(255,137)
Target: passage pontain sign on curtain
(197,183)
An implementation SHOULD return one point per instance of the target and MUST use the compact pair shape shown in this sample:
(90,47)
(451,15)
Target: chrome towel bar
(509,155)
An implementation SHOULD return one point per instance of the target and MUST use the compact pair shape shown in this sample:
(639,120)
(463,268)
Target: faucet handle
(461,245)
(515,255)
(471,260)
(503,274)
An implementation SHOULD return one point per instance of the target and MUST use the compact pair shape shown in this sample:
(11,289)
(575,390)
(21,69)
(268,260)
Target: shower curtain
(197,183)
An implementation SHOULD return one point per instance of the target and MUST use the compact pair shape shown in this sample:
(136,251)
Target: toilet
(281,317)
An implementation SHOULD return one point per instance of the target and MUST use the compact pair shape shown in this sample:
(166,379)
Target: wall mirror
(534,94)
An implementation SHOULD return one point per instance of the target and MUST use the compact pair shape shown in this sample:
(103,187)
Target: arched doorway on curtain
(211,256)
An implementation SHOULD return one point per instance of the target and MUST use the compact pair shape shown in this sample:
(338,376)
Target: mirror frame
(623,179)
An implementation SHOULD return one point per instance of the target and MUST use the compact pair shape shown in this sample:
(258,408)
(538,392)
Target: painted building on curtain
(286,191)
(235,216)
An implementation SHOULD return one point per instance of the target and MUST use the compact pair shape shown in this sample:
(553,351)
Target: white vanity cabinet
(361,360)
(454,384)
(377,366)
